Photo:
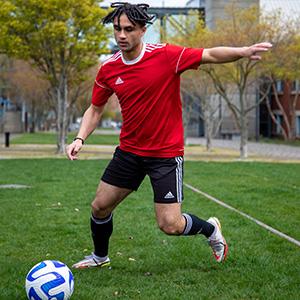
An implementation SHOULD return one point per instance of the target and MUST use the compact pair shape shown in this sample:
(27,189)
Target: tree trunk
(62,122)
(208,143)
(244,143)
(33,118)
(285,130)
(208,130)
(293,115)
(244,130)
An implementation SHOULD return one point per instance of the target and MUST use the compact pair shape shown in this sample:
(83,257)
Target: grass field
(50,138)
(51,221)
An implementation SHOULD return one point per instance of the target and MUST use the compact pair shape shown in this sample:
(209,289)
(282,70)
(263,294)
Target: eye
(117,28)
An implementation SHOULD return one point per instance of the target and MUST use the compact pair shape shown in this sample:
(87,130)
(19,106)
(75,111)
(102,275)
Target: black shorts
(128,170)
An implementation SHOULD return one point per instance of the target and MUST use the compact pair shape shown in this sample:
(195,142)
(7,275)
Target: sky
(155,3)
(151,35)
(290,9)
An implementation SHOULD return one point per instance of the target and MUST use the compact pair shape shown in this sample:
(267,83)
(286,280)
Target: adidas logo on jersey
(169,196)
(119,81)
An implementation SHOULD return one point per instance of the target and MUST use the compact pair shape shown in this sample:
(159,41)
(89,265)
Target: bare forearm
(90,121)
(220,55)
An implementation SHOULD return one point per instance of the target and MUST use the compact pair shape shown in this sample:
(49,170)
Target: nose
(122,34)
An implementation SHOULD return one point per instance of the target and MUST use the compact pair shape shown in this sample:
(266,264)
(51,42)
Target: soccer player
(146,79)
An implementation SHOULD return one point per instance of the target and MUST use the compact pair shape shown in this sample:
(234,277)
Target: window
(279,119)
(298,125)
(295,86)
(279,86)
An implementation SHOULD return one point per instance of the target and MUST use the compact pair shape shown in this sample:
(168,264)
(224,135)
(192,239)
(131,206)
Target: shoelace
(217,245)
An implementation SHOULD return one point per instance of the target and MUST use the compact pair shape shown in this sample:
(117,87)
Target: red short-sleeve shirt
(148,89)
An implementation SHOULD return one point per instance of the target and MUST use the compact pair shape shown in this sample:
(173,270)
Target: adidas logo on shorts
(169,195)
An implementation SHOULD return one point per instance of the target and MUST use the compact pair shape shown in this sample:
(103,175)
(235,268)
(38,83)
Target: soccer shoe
(217,241)
(91,261)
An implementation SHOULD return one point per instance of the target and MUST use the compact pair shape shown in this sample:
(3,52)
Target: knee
(99,210)
(170,226)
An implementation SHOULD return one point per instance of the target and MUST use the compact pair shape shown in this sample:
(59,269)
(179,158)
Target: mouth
(122,44)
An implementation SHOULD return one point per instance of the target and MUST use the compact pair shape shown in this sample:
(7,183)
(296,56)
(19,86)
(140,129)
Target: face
(128,36)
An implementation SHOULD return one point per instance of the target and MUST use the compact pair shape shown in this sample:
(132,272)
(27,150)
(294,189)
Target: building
(285,112)
(261,123)
(287,107)
(10,116)
(215,9)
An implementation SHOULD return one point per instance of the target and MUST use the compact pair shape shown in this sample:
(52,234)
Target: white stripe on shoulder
(113,58)
(102,86)
(151,47)
(177,66)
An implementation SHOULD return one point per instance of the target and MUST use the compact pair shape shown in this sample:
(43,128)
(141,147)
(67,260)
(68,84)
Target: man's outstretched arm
(218,55)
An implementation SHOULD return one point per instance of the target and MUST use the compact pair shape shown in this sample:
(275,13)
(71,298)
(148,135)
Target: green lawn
(51,221)
(50,138)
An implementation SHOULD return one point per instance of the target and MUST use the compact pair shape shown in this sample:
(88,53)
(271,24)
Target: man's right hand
(73,149)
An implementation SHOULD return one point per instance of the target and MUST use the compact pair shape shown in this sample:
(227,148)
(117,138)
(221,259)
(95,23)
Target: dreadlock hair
(136,13)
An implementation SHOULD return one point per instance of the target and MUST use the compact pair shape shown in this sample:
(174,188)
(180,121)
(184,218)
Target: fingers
(264,45)
(255,57)
(261,47)
(73,149)
(70,152)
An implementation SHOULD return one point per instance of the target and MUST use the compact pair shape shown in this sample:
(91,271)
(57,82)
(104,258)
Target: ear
(144,29)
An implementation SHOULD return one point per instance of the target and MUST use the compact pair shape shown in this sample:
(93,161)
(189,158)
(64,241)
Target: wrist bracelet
(79,138)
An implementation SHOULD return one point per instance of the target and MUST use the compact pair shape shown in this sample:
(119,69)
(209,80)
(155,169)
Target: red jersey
(148,89)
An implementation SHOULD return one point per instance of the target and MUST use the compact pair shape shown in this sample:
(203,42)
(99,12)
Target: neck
(133,53)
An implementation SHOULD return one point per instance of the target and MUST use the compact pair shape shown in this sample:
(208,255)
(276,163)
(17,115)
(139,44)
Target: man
(146,80)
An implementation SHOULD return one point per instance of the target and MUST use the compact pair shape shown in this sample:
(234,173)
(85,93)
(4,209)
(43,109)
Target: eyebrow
(125,27)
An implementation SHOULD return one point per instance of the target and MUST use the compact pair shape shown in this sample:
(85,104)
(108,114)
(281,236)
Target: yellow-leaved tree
(236,82)
(283,65)
(63,39)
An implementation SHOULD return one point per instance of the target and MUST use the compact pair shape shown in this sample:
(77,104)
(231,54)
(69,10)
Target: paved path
(223,149)
(261,149)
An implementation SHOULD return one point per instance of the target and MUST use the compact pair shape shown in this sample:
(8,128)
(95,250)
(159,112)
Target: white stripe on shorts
(179,173)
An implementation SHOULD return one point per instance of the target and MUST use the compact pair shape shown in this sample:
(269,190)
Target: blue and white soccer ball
(49,279)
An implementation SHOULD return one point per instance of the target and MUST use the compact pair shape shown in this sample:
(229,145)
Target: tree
(293,75)
(284,65)
(236,82)
(61,38)
(197,91)
(27,87)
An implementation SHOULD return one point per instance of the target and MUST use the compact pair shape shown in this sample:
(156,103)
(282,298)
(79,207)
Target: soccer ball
(49,279)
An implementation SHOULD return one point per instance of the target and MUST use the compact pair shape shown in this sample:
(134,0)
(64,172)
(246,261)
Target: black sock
(194,225)
(101,232)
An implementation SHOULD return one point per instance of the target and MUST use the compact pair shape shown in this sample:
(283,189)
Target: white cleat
(217,241)
(92,261)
